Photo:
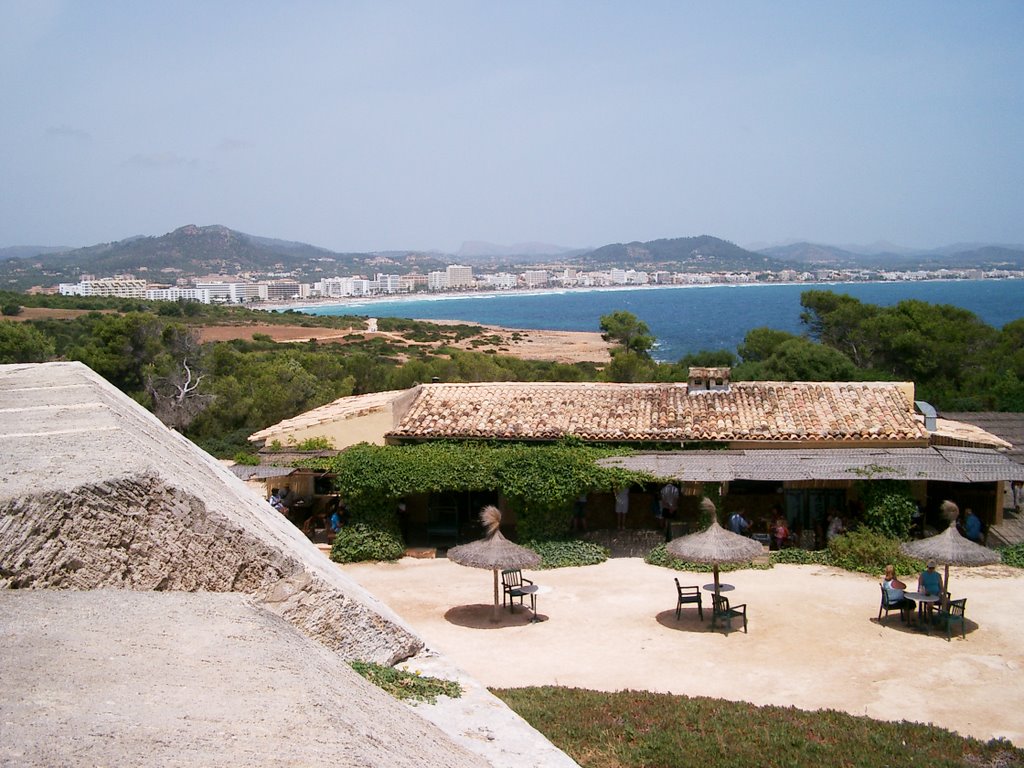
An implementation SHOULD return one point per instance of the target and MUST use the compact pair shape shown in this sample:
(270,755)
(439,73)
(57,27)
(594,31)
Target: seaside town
(283,287)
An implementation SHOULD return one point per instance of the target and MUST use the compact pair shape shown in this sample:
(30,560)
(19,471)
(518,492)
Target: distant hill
(30,251)
(478,249)
(193,250)
(687,254)
(964,256)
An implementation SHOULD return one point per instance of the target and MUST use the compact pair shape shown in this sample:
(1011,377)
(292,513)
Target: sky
(365,126)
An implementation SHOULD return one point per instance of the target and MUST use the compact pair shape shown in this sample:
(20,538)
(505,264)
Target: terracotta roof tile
(757,411)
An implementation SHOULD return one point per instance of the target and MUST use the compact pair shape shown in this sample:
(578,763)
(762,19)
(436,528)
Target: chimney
(929,414)
(708,380)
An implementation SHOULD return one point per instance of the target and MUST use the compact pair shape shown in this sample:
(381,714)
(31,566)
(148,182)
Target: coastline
(364,301)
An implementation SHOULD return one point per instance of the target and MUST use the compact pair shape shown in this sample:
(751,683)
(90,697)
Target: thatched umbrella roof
(493,551)
(949,547)
(714,545)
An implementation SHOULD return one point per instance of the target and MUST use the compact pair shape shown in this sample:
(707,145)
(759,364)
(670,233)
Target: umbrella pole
(494,618)
(718,592)
(945,590)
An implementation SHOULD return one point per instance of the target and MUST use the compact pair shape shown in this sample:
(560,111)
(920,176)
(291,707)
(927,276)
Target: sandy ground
(558,346)
(814,640)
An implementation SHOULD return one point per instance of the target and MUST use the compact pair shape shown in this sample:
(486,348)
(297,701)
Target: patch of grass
(631,729)
(407,685)
(567,553)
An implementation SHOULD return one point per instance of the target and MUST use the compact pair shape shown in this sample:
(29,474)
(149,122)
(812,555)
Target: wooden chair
(887,606)
(722,610)
(688,595)
(512,582)
(953,614)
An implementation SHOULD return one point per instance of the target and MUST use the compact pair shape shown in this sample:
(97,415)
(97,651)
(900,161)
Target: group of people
(929,582)
(328,520)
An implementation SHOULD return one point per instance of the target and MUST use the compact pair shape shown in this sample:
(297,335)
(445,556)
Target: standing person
(835,526)
(972,527)
(579,513)
(669,503)
(738,523)
(780,529)
(621,506)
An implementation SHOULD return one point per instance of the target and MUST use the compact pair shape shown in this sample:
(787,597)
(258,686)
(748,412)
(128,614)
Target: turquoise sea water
(687,319)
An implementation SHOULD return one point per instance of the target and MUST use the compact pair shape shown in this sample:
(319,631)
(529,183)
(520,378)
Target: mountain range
(208,250)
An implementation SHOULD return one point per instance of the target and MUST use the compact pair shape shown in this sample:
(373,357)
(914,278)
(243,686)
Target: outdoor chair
(512,582)
(688,595)
(887,606)
(953,614)
(722,610)
(928,612)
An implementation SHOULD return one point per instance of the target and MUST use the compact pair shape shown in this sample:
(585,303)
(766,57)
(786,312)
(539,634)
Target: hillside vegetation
(219,392)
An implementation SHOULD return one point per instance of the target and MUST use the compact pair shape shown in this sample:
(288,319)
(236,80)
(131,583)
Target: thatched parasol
(950,548)
(493,551)
(714,545)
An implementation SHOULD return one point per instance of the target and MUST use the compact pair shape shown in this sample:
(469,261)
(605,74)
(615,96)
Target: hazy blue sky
(380,125)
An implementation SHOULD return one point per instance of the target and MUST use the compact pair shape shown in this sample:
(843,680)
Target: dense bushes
(567,553)
(868,551)
(359,542)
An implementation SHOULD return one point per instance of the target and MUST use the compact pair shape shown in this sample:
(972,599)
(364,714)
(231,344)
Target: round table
(533,590)
(721,587)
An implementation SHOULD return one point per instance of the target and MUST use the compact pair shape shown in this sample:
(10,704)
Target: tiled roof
(754,411)
(957,465)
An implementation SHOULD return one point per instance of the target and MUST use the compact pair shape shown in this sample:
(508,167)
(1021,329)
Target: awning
(955,465)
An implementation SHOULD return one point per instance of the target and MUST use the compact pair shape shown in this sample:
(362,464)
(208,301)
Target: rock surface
(95,492)
(112,677)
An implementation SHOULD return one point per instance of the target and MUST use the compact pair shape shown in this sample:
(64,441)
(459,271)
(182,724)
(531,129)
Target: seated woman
(894,592)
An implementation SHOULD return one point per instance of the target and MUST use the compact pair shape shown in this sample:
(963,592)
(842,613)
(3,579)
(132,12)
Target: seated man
(739,524)
(929,582)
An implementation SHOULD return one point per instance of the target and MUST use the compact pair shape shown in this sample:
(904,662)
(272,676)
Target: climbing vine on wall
(540,482)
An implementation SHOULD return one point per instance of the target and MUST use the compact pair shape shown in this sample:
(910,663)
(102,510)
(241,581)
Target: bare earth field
(558,346)
(814,640)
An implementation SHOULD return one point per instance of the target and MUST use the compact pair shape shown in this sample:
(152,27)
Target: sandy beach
(814,641)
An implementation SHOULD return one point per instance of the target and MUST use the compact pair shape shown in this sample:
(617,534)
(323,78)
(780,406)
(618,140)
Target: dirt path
(814,641)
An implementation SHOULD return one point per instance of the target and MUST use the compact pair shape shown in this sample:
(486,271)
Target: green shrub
(797,556)
(660,556)
(867,551)
(10,310)
(891,515)
(316,444)
(567,553)
(407,685)
(359,542)
(1013,556)
(247,459)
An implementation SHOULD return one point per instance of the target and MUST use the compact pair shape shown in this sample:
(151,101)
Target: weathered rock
(95,493)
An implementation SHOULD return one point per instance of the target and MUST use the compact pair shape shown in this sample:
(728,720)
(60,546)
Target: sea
(684,319)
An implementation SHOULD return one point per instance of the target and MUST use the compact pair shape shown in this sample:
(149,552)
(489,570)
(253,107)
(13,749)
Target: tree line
(218,393)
